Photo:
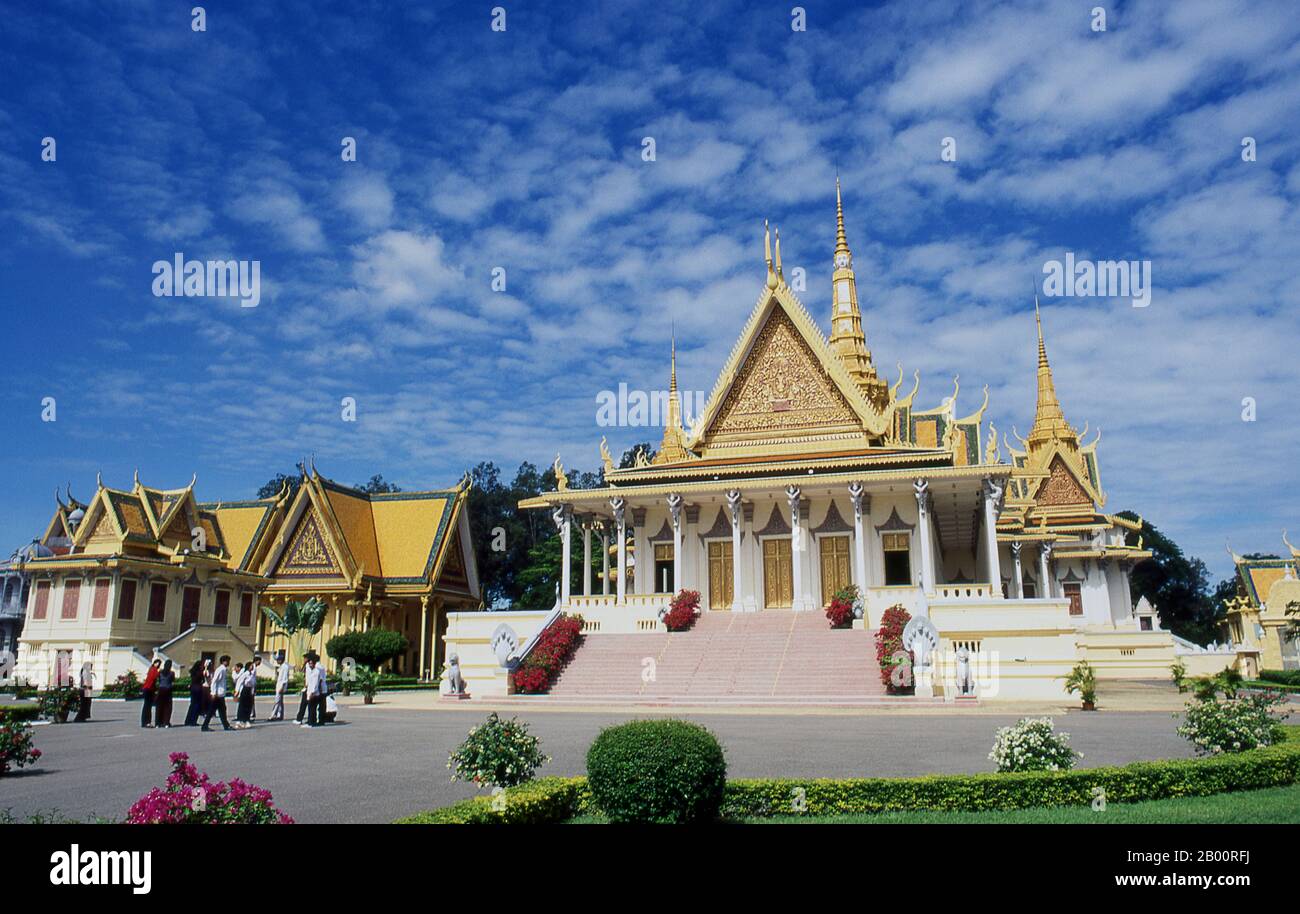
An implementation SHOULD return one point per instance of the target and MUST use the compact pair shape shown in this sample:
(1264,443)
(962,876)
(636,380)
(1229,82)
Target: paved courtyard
(382,761)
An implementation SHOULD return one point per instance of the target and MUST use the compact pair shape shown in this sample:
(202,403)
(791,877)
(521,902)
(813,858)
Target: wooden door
(835,565)
(1075,595)
(190,607)
(778,574)
(721,575)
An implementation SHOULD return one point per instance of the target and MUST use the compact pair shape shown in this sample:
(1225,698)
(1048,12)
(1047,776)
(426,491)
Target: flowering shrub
(531,680)
(497,753)
(58,702)
(552,651)
(192,798)
(128,685)
(16,748)
(890,653)
(682,611)
(1234,724)
(840,612)
(1032,745)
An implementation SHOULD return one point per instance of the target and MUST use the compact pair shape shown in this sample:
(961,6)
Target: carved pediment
(308,554)
(781,386)
(1061,487)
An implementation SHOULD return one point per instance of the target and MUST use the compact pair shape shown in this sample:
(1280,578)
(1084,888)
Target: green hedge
(1281,677)
(537,802)
(557,799)
(14,712)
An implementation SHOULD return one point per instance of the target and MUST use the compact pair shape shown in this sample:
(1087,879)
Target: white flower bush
(1234,724)
(1033,745)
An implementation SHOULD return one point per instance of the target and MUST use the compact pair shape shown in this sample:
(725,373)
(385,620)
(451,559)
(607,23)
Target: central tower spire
(848,341)
(1049,418)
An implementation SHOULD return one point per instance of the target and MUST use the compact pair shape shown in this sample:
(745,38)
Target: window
(898,559)
(99,607)
(1144,623)
(221,613)
(664,568)
(71,597)
(157,603)
(126,599)
(246,610)
(1031,590)
(42,603)
(190,598)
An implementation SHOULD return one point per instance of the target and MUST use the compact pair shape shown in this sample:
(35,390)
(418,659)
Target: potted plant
(57,703)
(1083,679)
(367,682)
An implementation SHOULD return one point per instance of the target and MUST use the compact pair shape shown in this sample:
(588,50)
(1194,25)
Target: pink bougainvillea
(191,797)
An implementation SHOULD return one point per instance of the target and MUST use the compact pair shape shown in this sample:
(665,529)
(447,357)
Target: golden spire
(841,240)
(848,341)
(1049,418)
(673,448)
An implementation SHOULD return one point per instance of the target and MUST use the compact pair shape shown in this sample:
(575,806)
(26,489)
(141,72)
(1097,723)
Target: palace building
(807,470)
(1265,609)
(144,572)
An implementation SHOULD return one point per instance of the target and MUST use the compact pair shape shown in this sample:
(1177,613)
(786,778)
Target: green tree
(1177,585)
(377,486)
(372,648)
(629,456)
(277,482)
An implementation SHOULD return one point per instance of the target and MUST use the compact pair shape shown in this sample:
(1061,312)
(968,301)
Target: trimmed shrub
(539,802)
(531,680)
(682,611)
(557,799)
(1032,745)
(1281,677)
(191,798)
(895,662)
(1234,724)
(667,771)
(371,648)
(24,711)
(16,749)
(498,753)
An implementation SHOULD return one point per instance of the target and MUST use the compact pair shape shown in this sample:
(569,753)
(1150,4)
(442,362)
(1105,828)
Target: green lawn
(1275,805)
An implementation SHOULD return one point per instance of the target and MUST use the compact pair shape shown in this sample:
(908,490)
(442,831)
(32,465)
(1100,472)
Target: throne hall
(807,471)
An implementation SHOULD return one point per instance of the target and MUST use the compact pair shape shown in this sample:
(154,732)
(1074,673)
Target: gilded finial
(767,255)
(1295,553)
(605,457)
(780,273)
(136,478)
(841,239)
(561,480)
(99,479)
(991,451)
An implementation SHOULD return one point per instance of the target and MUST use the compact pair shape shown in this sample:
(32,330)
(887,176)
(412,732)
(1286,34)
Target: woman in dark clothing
(163,699)
(198,673)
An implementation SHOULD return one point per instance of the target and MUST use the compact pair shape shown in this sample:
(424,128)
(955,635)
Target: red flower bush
(16,750)
(840,612)
(889,651)
(191,797)
(552,651)
(682,611)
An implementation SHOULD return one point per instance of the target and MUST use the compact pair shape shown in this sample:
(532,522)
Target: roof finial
(137,476)
(841,240)
(58,501)
(780,273)
(767,255)
(1038,318)
(672,379)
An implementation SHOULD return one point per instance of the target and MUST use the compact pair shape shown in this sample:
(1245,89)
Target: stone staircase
(769,657)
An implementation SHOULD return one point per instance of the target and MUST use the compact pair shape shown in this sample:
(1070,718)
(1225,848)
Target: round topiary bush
(667,771)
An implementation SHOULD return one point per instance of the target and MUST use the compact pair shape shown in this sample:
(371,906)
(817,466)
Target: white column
(992,505)
(737,560)
(861,505)
(921,488)
(1044,569)
(675,512)
(1017,577)
(793,497)
(620,530)
(586,559)
(604,558)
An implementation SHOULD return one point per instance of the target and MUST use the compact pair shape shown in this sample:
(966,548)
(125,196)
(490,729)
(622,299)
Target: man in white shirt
(315,691)
(281,684)
(218,706)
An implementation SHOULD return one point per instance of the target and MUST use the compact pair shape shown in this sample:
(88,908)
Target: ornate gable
(1062,487)
(308,554)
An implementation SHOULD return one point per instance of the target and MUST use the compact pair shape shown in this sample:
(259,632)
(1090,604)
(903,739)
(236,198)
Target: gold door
(835,565)
(721,575)
(778,574)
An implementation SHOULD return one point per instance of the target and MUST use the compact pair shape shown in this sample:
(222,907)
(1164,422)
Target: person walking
(87,684)
(217,703)
(243,697)
(198,671)
(281,683)
(252,708)
(301,717)
(147,691)
(163,699)
(315,692)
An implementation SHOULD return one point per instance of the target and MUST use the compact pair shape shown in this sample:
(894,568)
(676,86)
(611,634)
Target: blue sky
(522,150)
